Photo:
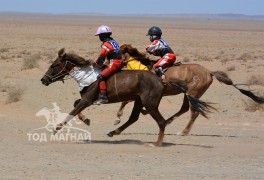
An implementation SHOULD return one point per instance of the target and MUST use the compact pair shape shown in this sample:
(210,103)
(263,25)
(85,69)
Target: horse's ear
(61,52)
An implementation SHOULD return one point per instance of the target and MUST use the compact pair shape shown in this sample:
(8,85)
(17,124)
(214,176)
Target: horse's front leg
(77,109)
(81,116)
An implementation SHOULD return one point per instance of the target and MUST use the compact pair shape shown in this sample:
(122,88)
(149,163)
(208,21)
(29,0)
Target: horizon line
(133,14)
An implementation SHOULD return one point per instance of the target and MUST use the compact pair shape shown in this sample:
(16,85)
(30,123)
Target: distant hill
(203,16)
(193,16)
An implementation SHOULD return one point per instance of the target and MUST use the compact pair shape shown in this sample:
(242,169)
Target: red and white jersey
(109,47)
(159,47)
(110,50)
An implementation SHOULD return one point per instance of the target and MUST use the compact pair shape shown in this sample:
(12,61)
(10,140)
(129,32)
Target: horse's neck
(85,76)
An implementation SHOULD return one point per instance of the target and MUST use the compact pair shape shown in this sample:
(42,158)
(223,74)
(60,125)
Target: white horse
(53,117)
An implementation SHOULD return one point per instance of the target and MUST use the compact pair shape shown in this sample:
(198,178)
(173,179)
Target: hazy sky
(247,7)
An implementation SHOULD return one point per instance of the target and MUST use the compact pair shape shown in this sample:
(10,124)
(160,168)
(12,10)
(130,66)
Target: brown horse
(143,87)
(197,79)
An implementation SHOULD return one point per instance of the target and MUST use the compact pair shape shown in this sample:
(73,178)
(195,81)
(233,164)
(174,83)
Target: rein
(61,73)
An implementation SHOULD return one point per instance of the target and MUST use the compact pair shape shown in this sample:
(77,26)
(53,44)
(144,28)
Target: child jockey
(109,50)
(159,47)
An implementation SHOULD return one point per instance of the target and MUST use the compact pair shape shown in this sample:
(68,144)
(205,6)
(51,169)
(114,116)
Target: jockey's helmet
(155,33)
(154,30)
(103,30)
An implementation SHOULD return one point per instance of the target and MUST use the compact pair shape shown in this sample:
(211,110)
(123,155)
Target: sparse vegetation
(250,66)
(224,60)
(256,80)
(203,58)
(31,62)
(231,68)
(3,88)
(245,57)
(4,57)
(49,55)
(14,94)
(2,50)
(186,59)
(253,106)
(221,52)
(25,52)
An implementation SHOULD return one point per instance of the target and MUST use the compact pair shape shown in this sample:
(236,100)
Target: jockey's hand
(106,63)
(100,60)
(101,66)
(157,53)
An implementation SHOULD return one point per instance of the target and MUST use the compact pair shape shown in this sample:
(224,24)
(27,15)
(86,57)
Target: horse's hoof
(110,134)
(54,132)
(87,122)
(59,127)
(117,122)
(154,144)
(157,144)
(182,133)
(150,145)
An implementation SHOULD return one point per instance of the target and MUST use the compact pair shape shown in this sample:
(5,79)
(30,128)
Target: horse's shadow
(126,141)
(165,144)
(138,142)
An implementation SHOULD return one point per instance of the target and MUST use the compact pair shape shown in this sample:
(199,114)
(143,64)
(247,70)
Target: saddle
(165,81)
(175,64)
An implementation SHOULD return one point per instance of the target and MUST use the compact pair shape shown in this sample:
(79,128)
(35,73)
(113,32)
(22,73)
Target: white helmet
(103,30)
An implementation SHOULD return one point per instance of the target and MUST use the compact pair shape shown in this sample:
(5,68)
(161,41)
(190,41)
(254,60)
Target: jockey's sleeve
(104,53)
(153,47)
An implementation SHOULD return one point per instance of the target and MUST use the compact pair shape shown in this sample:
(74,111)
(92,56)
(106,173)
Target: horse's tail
(223,78)
(200,106)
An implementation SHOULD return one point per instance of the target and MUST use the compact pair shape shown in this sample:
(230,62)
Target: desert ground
(228,145)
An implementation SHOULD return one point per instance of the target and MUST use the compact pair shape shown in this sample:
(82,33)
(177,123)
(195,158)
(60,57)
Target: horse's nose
(45,81)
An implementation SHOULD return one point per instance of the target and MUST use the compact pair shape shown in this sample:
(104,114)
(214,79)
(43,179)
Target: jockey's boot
(102,99)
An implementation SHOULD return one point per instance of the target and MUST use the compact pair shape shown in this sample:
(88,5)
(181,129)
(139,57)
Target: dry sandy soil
(228,145)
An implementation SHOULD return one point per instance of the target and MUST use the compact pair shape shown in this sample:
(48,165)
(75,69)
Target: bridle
(64,72)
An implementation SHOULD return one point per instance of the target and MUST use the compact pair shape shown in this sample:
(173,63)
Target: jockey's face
(153,38)
(104,36)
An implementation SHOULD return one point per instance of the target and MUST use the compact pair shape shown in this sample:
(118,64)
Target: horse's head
(58,69)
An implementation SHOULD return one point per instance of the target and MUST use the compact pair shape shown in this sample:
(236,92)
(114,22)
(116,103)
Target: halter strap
(61,72)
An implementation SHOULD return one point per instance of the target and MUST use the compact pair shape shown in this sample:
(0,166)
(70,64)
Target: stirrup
(100,101)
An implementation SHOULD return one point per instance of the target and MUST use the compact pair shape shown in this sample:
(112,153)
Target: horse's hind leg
(121,109)
(187,129)
(82,116)
(133,118)
(120,112)
(184,109)
(200,90)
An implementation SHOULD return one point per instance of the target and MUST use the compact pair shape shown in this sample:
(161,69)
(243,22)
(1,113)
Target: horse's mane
(142,57)
(78,60)
(75,59)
